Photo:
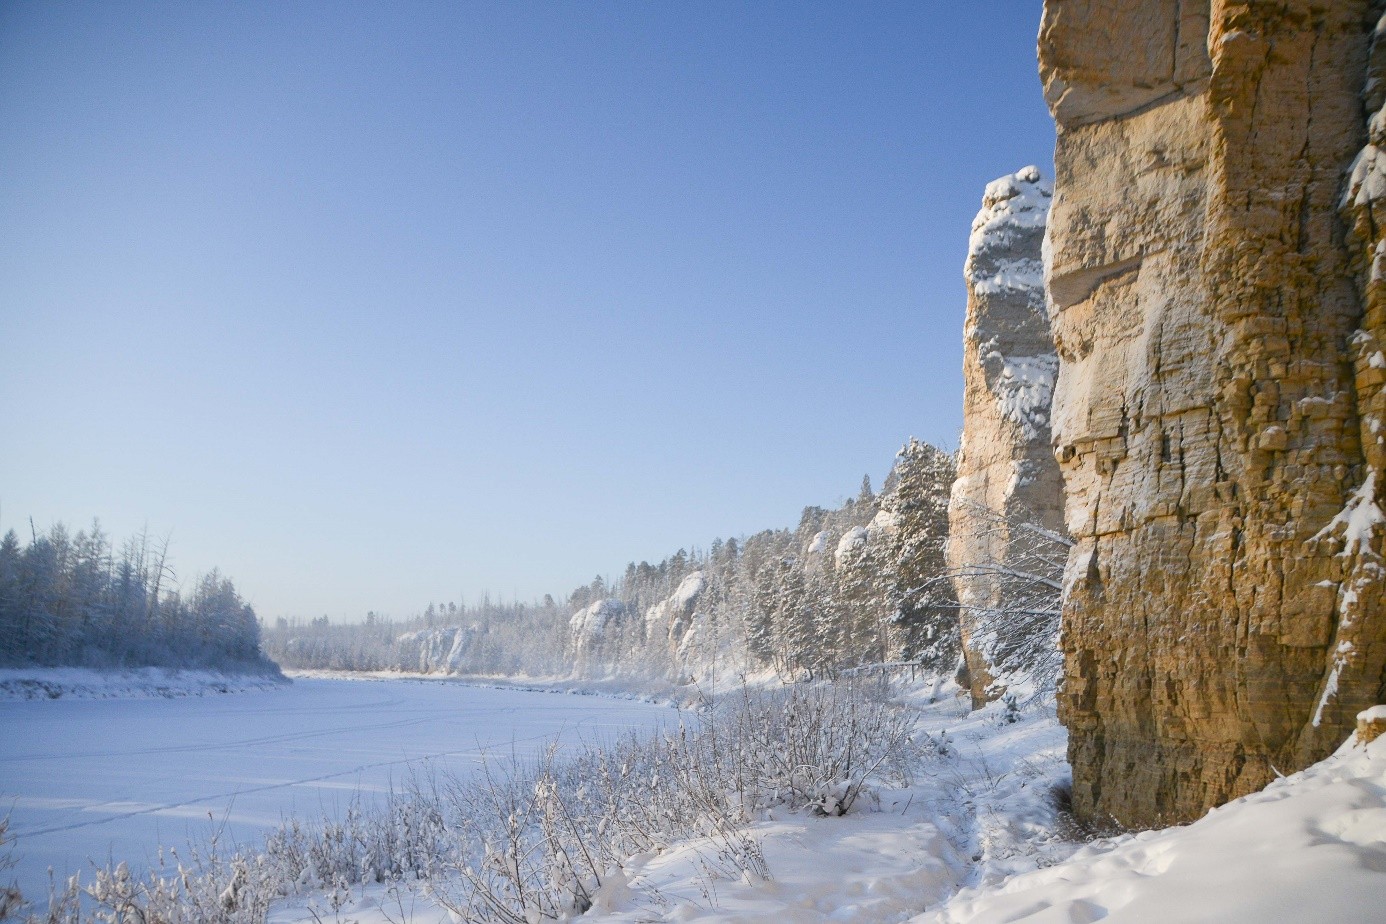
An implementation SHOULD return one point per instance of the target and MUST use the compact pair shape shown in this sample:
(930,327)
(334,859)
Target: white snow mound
(1310,848)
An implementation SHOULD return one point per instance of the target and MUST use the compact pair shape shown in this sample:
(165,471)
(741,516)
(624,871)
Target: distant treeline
(853,585)
(496,638)
(73,600)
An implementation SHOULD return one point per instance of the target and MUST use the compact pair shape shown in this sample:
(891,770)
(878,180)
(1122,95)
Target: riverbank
(23,683)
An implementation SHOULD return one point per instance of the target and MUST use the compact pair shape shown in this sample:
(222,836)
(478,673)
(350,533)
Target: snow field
(1309,848)
(977,805)
(100,779)
(980,837)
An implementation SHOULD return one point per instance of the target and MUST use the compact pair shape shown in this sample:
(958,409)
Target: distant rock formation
(594,634)
(1006,466)
(1218,404)
(430,651)
(672,625)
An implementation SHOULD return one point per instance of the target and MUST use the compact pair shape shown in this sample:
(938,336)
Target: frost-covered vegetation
(534,840)
(485,638)
(848,586)
(1015,625)
(74,600)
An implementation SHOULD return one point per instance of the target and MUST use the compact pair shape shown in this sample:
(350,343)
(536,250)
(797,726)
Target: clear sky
(372,304)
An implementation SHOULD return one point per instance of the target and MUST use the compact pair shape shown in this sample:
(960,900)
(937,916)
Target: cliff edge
(1218,314)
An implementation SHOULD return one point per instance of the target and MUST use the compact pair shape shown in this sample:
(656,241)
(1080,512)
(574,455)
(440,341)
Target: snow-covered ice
(115,778)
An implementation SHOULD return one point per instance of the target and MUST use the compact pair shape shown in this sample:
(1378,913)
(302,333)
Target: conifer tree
(926,618)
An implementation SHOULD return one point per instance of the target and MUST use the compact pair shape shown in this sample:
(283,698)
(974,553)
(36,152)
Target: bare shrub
(530,839)
(1014,613)
(544,834)
(11,899)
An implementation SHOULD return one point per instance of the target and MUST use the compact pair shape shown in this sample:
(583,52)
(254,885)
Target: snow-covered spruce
(72,600)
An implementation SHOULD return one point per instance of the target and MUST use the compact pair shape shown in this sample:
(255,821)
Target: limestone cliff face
(673,627)
(436,650)
(1005,465)
(594,637)
(1219,393)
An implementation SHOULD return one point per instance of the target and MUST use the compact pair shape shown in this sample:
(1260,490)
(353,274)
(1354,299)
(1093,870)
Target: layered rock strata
(1006,468)
(1219,395)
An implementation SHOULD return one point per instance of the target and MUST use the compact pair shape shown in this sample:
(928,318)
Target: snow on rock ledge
(1000,252)
(853,539)
(673,626)
(1371,724)
(671,617)
(438,650)
(1007,324)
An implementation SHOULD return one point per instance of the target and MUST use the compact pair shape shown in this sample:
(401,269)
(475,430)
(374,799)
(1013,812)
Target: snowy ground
(979,838)
(1309,848)
(980,809)
(106,777)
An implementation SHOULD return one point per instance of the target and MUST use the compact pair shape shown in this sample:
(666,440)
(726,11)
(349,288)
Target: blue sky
(377,304)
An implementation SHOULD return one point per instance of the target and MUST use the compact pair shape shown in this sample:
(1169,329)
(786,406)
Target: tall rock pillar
(1223,615)
(1006,468)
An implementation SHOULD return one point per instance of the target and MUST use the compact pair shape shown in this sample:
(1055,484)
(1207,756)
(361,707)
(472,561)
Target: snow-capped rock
(1005,463)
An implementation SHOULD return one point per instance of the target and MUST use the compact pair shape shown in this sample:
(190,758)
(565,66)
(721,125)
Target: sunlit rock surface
(1006,468)
(1217,310)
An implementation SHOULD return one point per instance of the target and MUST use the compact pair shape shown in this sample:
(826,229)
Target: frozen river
(103,778)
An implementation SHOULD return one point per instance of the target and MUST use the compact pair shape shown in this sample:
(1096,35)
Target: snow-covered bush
(11,901)
(1016,623)
(529,840)
(543,836)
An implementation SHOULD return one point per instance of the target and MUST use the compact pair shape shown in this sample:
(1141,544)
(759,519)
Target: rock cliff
(1217,307)
(431,651)
(595,635)
(673,627)
(1006,468)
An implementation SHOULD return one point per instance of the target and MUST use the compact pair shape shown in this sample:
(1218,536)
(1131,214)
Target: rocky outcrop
(594,636)
(432,651)
(1218,398)
(673,626)
(1006,468)
(1371,724)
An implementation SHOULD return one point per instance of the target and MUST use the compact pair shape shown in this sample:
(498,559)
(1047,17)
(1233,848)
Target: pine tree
(926,619)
